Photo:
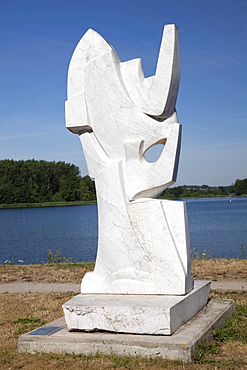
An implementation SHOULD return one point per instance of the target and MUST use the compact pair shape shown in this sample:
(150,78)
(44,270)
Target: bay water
(218,228)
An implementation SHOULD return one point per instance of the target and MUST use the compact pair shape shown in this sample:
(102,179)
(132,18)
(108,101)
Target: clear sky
(38,38)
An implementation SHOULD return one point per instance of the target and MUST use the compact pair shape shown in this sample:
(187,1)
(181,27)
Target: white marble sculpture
(143,245)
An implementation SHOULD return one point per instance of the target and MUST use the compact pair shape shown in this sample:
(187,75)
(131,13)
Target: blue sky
(38,38)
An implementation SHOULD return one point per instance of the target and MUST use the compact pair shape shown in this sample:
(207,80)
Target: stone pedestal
(179,346)
(137,314)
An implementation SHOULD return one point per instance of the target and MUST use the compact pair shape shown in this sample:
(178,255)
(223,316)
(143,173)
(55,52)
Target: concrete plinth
(180,345)
(135,314)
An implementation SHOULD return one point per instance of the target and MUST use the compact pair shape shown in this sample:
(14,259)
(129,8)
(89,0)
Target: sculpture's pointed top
(90,46)
(156,95)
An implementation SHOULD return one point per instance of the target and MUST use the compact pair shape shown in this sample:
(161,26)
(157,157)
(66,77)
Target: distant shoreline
(46,204)
(85,203)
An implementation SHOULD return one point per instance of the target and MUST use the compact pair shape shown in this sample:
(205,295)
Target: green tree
(87,188)
(240,187)
(40,181)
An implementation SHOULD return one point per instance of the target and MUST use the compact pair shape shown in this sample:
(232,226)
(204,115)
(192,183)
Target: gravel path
(24,287)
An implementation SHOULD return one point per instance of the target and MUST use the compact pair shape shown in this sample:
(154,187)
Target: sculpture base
(136,314)
(178,346)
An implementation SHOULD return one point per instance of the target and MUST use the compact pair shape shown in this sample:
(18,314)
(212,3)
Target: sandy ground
(24,287)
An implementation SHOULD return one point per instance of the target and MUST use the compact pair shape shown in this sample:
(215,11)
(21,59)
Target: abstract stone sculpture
(143,259)
(143,245)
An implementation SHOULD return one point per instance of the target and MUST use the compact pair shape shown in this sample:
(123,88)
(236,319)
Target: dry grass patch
(237,349)
(49,273)
(219,269)
(202,269)
(38,308)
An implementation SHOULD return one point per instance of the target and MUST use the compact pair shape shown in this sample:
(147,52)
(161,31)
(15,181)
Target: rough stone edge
(77,307)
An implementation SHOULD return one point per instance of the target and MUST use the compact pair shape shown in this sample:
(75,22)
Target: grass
(21,313)
(27,324)
(49,273)
(229,347)
(72,272)
(219,269)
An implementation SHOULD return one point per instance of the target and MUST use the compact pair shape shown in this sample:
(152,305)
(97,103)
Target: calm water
(217,225)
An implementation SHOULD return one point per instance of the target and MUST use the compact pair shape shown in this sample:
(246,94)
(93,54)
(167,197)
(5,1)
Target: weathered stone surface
(141,314)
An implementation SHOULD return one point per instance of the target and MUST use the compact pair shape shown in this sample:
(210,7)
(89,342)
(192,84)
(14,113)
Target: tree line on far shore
(33,181)
(194,191)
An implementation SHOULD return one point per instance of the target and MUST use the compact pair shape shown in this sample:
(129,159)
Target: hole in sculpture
(153,153)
